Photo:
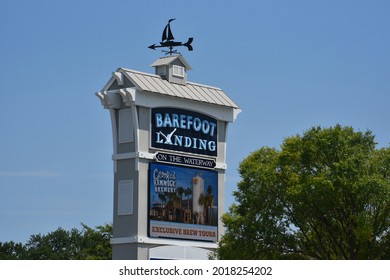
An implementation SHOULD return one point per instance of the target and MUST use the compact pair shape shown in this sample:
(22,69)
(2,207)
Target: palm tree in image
(187,213)
(206,200)
(172,200)
(180,192)
(202,202)
(209,202)
(187,193)
(163,199)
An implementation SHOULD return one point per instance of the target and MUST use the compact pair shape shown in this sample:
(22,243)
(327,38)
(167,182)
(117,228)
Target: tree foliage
(74,244)
(11,251)
(323,195)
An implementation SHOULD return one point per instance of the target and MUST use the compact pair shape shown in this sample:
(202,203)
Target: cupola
(173,69)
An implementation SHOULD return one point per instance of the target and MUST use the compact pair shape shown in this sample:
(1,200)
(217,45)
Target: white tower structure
(142,106)
(197,190)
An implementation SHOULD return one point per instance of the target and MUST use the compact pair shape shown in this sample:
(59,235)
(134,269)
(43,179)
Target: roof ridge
(203,85)
(157,76)
(138,72)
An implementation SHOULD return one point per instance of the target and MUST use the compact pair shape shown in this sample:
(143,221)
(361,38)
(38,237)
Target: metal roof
(192,91)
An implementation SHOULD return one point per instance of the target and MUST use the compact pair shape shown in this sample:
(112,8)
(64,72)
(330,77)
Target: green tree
(75,244)
(11,250)
(57,245)
(95,243)
(323,195)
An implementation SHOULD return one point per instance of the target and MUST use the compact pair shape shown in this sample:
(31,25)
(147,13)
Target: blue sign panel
(185,131)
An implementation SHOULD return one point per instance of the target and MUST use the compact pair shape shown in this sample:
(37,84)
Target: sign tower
(169,155)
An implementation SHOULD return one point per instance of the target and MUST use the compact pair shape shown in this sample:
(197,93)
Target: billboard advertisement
(183,130)
(183,202)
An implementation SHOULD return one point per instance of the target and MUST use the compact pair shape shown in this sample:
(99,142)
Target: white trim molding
(161,242)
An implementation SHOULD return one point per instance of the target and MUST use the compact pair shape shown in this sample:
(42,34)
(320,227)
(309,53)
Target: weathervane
(167,41)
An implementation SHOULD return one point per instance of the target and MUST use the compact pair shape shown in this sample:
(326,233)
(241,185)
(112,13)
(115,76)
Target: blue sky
(290,65)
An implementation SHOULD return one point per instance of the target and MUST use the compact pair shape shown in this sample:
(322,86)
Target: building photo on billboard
(183,202)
